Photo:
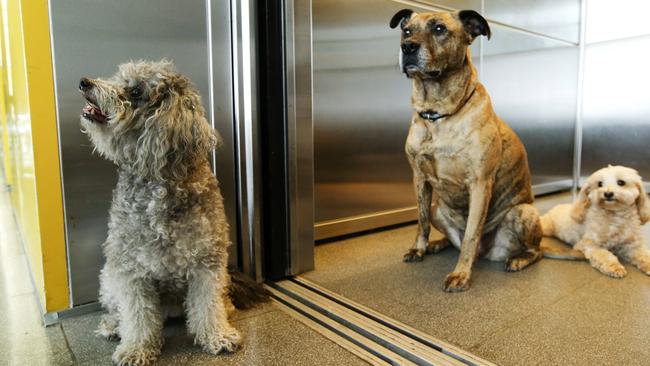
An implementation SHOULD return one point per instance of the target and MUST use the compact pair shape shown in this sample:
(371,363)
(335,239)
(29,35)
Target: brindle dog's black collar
(432,116)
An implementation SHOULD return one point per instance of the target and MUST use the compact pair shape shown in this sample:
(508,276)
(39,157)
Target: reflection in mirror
(562,107)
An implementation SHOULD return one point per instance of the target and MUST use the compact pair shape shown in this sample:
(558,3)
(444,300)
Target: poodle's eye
(135,93)
(621,182)
(600,184)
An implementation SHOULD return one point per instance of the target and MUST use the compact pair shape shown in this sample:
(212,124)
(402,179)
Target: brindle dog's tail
(244,292)
(552,249)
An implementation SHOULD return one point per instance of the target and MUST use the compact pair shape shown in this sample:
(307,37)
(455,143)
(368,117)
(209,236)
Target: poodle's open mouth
(92,112)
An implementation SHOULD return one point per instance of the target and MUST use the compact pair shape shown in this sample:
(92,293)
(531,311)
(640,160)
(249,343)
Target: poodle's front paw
(128,355)
(108,328)
(457,281)
(221,341)
(614,270)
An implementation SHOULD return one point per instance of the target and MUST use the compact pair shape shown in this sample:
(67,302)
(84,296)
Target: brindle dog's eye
(621,182)
(600,184)
(407,32)
(439,29)
(135,93)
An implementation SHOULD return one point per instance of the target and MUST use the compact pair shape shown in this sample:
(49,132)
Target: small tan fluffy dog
(604,223)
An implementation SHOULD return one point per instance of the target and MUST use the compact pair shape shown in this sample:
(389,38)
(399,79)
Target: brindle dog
(466,161)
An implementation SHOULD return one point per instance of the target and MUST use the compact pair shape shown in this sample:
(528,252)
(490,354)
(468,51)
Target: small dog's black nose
(85,84)
(410,47)
(608,195)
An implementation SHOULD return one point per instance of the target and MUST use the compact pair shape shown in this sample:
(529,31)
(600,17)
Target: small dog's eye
(135,93)
(621,182)
(600,184)
(439,29)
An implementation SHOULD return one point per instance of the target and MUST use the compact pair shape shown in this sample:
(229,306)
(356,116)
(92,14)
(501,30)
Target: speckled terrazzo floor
(553,313)
(271,337)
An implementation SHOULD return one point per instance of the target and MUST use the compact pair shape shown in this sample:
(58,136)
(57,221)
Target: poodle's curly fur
(604,223)
(167,242)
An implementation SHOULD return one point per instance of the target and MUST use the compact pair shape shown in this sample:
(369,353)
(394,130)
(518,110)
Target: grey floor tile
(85,345)
(501,316)
(585,328)
(270,338)
(369,270)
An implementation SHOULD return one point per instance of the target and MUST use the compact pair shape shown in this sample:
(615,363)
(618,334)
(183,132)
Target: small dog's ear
(579,209)
(643,203)
(475,25)
(177,135)
(400,16)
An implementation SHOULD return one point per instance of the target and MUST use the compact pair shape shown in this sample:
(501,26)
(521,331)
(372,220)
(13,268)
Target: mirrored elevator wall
(90,38)
(361,101)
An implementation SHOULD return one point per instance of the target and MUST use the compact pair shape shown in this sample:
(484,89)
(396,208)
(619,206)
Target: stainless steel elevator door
(361,117)
(90,38)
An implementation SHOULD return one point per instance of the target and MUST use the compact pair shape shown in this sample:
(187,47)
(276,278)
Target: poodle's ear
(177,135)
(579,209)
(643,203)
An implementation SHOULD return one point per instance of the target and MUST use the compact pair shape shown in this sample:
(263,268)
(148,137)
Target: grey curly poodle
(166,250)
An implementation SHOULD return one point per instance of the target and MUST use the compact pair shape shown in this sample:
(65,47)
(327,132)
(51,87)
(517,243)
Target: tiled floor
(271,337)
(553,313)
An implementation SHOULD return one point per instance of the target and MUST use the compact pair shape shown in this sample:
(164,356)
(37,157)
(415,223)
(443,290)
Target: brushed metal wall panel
(533,84)
(555,18)
(616,111)
(92,37)
(362,111)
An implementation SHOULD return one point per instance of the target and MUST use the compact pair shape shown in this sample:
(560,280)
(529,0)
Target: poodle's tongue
(93,113)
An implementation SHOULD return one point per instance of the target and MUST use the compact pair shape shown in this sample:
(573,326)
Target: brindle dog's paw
(457,282)
(414,255)
(438,246)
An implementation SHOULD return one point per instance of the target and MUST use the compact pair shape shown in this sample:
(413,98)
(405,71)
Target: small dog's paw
(437,246)
(108,328)
(457,281)
(414,255)
(225,341)
(614,271)
(127,355)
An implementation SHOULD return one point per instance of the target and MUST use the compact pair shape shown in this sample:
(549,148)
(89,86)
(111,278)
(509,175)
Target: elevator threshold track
(375,338)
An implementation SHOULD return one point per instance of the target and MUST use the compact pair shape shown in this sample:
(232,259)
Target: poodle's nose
(609,195)
(85,84)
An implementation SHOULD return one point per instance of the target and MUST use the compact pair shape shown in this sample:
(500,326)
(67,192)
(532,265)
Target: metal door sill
(374,337)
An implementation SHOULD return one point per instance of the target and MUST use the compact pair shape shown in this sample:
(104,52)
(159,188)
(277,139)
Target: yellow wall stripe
(40,79)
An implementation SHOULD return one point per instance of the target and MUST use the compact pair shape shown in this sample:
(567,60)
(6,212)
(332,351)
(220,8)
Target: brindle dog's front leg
(459,279)
(423,190)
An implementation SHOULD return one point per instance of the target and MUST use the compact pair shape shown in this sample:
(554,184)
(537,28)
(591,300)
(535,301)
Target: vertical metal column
(298,46)
(244,25)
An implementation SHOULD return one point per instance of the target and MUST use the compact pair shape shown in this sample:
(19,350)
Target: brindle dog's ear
(399,16)
(475,25)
